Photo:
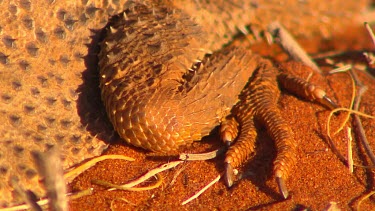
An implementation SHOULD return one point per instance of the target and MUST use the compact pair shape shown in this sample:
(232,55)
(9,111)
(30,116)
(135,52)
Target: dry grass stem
(350,106)
(68,177)
(357,122)
(121,187)
(341,69)
(30,201)
(370,32)
(330,61)
(370,57)
(150,173)
(360,133)
(351,111)
(177,174)
(41,203)
(80,194)
(332,207)
(290,45)
(327,54)
(73,173)
(201,191)
(334,110)
(364,198)
(44,202)
(354,105)
(120,199)
(365,167)
(350,151)
(202,156)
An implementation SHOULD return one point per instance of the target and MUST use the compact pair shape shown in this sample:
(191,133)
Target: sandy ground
(319,177)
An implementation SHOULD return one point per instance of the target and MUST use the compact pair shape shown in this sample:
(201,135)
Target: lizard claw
(320,95)
(228,176)
(282,187)
(326,101)
(305,89)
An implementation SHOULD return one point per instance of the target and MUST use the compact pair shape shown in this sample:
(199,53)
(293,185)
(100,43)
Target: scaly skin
(48,76)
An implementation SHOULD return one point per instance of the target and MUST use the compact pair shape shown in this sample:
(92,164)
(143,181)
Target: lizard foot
(258,102)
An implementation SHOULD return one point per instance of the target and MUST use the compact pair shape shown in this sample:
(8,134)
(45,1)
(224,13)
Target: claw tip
(329,103)
(282,187)
(228,175)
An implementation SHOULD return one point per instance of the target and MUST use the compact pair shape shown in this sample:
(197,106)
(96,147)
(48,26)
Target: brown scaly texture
(48,70)
(153,99)
(258,102)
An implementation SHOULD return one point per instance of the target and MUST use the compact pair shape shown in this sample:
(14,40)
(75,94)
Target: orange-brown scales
(49,79)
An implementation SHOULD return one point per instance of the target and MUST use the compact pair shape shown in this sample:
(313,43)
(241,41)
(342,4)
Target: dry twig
(364,198)
(201,191)
(177,174)
(202,156)
(80,194)
(290,45)
(370,32)
(353,109)
(332,207)
(29,198)
(350,151)
(149,174)
(112,207)
(343,69)
(121,187)
(357,122)
(44,202)
(73,173)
